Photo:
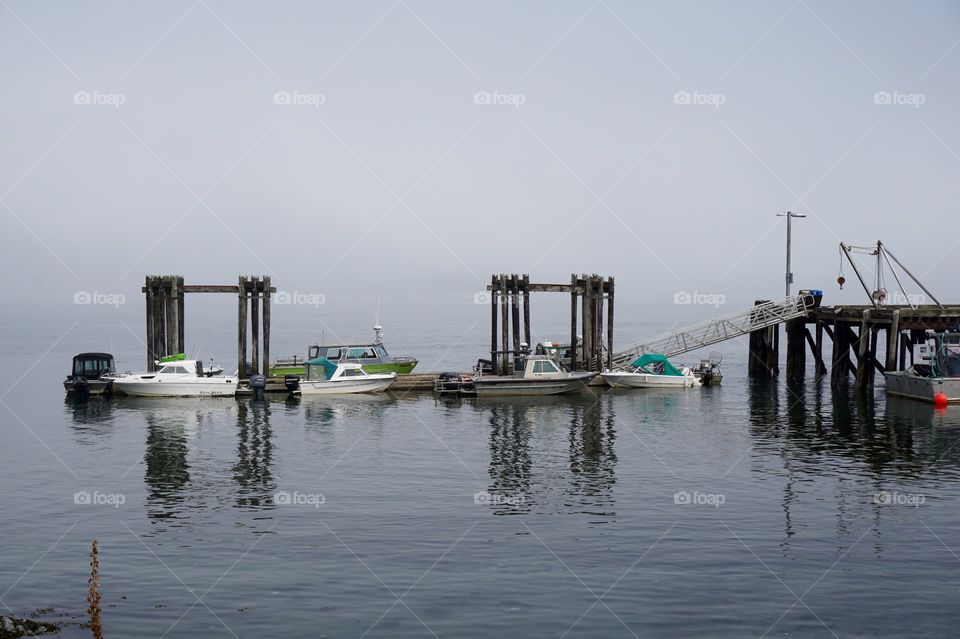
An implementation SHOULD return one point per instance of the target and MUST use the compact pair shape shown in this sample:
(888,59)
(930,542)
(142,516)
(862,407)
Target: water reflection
(525,472)
(252,472)
(91,418)
(167,470)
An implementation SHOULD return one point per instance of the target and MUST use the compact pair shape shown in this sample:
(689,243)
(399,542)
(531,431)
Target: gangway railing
(720,329)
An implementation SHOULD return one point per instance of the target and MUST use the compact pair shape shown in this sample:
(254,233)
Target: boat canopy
(655,358)
(178,357)
(329,368)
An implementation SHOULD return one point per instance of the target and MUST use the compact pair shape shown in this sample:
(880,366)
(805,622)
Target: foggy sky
(390,176)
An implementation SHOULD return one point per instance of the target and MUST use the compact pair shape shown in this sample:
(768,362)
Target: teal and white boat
(651,370)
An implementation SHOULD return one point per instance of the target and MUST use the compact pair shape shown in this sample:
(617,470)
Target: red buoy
(940,400)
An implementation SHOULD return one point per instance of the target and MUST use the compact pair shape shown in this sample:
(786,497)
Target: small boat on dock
(708,370)
(536,375)
(177,378)
(652,370)
(324,377)
(372,356)
(92,374)
(936,373)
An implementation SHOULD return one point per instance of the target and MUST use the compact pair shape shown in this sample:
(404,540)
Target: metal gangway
(717,330)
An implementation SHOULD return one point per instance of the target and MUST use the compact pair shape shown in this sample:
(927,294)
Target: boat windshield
(91,366)
(174,370)
(381,351)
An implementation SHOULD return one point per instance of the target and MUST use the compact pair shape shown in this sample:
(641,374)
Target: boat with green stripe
(372,356)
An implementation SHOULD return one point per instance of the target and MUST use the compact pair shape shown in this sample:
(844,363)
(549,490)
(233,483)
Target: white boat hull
(649,380)
(346,385)
(203,387)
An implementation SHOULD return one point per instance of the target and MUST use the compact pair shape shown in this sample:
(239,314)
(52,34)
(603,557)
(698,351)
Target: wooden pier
(587,294)
(854,332)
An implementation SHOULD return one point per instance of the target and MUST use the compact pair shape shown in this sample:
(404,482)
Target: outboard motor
(258,383)
(292,382)
(79,385)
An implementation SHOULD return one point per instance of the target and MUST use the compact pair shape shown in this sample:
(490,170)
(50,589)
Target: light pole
(789,215)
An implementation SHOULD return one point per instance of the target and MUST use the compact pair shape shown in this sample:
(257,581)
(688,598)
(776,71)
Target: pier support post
(864,376)
(526,311)
(255,323)
(573,322)
(609,323)
(242,328)
(796,348)
(151,340)
(493,324)
(764,350)
(820,367)
(505,364)
(171,314)
(266,324)
(587,325)
(515,311)
(893,335)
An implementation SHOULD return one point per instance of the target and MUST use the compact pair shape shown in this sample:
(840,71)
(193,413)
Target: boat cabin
(91,366)
(320,369)
(182,367)
(358,352)
(531,366)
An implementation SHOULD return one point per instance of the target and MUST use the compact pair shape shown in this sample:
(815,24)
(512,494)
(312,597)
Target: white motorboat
(536,375)
(180,378)
(652,370)
(326,378)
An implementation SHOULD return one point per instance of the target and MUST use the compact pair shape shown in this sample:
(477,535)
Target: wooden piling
(493,324)
(863,346)
(255,323)
(820,366)
(266,324)
(505,363)
(609,323)
(526,311)
(573,322)
(893,335)
(171,309)
(515,312)
(242,328)
(148,294)
(796,348)
(587,325)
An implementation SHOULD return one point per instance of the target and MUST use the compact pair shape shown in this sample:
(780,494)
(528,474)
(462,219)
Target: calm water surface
(800,513)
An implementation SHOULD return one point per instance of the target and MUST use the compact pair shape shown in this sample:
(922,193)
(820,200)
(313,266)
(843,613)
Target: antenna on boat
(377,329)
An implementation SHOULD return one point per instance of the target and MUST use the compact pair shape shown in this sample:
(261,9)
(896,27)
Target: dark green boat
(373,357)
